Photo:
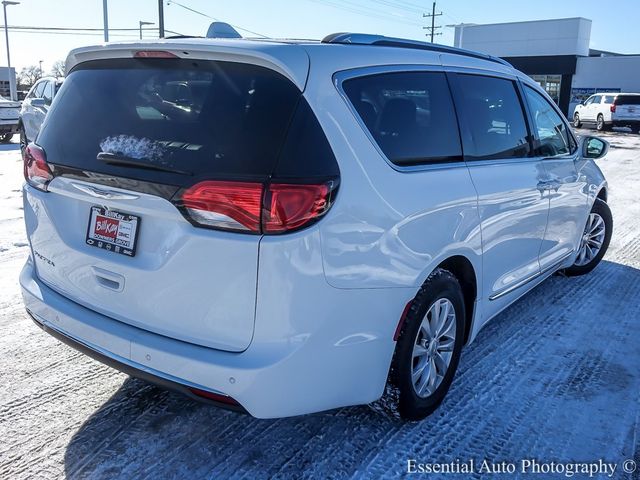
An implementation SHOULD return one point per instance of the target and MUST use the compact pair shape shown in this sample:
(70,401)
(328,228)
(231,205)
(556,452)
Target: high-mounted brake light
(154,54)
(36,171)
(252,207)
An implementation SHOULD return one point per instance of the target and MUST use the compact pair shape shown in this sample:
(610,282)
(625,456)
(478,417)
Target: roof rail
(346,38)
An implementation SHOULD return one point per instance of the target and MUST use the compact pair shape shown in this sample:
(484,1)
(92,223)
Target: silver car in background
(35,107)
(9,111)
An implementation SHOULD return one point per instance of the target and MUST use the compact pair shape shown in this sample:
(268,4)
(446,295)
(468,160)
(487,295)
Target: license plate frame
(117,231)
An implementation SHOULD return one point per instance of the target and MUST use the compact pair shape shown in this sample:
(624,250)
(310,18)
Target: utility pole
(41,74)
(105,16)
(161,18)
(12,79)
(432,29)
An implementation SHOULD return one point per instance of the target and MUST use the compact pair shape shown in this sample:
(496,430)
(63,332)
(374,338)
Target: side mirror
(38,102)
(594,147)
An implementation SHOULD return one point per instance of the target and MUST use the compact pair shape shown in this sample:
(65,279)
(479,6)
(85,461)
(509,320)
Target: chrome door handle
(103,193)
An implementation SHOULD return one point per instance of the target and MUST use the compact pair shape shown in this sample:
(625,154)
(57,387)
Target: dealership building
(555,53)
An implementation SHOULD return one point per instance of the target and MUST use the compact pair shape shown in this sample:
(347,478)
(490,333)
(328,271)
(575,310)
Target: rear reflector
(36,171)
(154,54)
(252,207)
(216,397)
(403,317)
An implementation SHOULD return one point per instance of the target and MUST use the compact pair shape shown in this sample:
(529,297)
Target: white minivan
(285,227)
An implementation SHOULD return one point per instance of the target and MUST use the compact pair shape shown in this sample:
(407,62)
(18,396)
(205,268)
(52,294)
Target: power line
(432,29)
(365,11)
(198,12)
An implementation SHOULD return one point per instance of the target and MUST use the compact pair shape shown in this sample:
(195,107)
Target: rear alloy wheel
(594,241)
(6,137)
(428,348)
(576,120)
(600,123)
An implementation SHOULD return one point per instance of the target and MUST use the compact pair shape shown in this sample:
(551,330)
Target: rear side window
(608,99)
(47,93)
(188,119)
(38,90)
(552,135)
(493,112)
(410,115)
(628,100)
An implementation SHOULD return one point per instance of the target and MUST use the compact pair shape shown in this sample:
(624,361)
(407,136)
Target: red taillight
(251,207)
(291,206)
(154,54)
(226,205)
(613,108)
(36,171)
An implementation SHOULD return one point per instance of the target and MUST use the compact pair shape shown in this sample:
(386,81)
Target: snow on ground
(556,377)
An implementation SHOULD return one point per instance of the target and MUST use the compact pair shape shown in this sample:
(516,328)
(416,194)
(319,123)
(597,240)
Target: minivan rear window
(628,100)
(410,115)
(188,119)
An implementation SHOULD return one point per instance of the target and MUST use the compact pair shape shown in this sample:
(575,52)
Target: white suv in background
(285,227)
(606,110)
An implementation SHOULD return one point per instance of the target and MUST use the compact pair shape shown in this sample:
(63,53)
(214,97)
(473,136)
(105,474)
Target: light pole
(40,62)
(141,23)
(105,16)
(12,80)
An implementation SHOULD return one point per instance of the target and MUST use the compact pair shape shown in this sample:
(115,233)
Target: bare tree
(29,75)
(57,69)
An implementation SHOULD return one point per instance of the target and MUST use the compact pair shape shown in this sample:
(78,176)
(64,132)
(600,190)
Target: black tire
(23,139)
(401,393)
(576,120)
(600,126)
(6,137)
(602,209)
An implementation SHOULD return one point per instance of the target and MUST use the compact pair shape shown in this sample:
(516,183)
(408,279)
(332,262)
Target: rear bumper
(626,123)
(268,381)
(9,126)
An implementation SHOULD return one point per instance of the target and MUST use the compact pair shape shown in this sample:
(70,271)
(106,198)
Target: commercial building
(557,54)
(4,81)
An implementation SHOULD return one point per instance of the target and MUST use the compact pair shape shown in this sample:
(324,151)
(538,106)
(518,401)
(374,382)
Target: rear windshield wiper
(124,161)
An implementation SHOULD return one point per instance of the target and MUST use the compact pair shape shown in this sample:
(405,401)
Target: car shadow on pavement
(9,147)
(555,377)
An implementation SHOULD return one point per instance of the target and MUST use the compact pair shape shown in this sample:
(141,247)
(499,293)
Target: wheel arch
(603,194)
(462,268)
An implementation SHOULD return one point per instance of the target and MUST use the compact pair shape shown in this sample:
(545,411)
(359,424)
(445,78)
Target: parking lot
(555,377)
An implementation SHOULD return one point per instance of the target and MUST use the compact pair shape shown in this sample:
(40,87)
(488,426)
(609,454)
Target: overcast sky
(613,29)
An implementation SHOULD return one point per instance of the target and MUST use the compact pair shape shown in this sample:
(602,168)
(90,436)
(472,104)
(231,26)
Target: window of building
(551,85)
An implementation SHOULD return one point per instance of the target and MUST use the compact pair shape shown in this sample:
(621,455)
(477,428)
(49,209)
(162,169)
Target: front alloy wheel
(594,240)
(576,120)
